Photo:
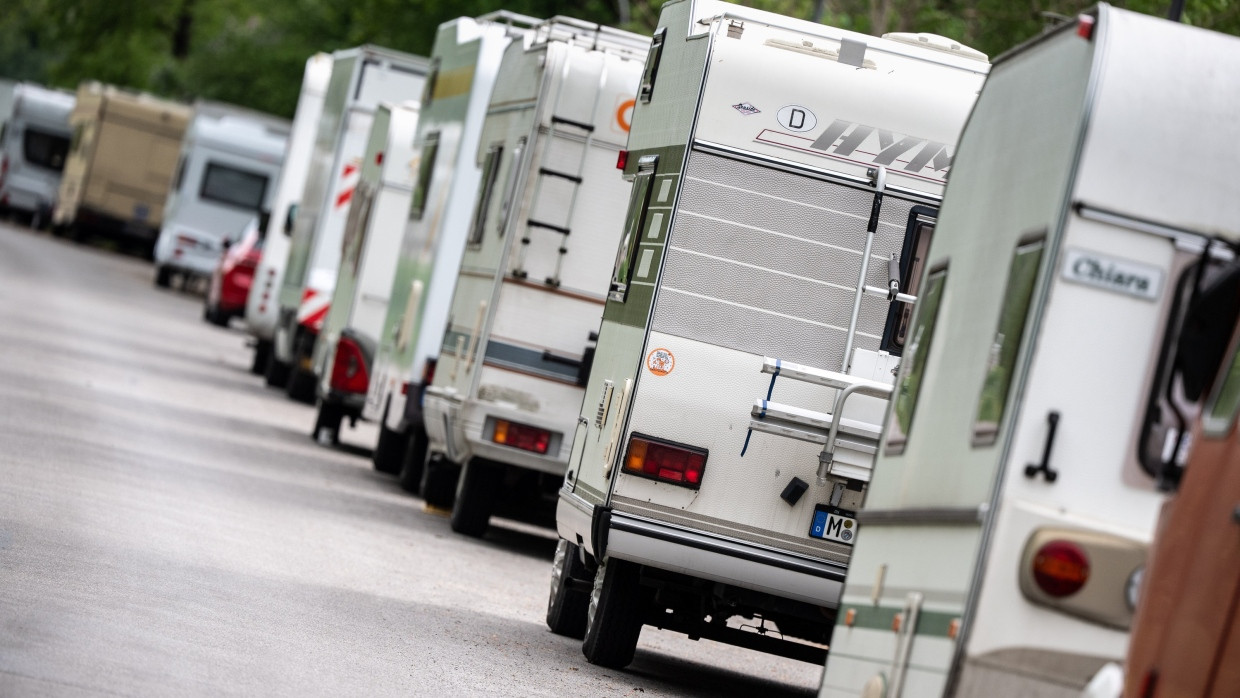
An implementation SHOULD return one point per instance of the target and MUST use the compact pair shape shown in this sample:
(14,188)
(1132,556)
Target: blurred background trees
(251,52)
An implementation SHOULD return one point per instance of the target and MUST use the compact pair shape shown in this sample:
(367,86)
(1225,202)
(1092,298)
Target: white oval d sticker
(796,118)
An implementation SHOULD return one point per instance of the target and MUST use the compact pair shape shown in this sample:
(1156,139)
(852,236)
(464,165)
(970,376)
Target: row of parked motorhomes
(712,295)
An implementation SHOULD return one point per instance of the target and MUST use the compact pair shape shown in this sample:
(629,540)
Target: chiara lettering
(1121,276)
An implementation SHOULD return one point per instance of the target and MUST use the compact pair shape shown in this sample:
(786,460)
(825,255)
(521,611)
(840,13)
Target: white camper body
(230,158)
(346,347)
(533,278)
(1014,493)
(465,60)
(361,78)
(34,142)
(262,304)
(737,391)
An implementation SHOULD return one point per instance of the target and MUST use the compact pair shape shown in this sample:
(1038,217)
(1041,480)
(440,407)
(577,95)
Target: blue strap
(744,448)
(771,388)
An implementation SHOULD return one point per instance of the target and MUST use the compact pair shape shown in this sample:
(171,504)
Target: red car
(231,280)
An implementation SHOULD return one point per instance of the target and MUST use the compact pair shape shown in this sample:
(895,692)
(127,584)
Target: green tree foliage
(252,52)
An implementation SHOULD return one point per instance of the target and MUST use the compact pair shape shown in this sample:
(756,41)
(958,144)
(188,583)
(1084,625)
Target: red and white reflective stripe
(313,308)
(348,180)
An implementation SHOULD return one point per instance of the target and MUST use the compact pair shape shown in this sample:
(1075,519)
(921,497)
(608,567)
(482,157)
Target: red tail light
(521,436)
(1060,568)
(1085,27)
(664,461)
(250,261)
(428,371)
(622,160)
(349,370)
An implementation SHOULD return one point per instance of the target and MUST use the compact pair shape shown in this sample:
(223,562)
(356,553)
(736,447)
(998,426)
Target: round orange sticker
(624,115)
(660,362)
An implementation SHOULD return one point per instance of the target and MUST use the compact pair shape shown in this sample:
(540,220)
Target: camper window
(432,81)
(646,90)
(1013,315)
(233,187)
(921,333)
(635,223)
(510,188)
(45,149)
(1224,406)
(426,167)
(180,176)
(917,237)
(490,168)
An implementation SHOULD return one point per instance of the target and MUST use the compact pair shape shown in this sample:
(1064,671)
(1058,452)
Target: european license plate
(833,524)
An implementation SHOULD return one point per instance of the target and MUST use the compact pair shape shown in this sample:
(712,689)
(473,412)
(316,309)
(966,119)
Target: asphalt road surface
(167,526)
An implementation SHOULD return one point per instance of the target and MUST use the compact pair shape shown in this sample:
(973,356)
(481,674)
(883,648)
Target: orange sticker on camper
(660,362)
(624,114)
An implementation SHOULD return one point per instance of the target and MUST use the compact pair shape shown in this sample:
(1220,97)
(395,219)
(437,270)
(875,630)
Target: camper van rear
(34,143)
(546,219)
(1015,488)
(229,160)
(121,163)
(262,305)
(784,190)
(465,60)
(361,78)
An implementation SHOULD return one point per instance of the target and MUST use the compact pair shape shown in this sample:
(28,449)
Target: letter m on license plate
(833,524)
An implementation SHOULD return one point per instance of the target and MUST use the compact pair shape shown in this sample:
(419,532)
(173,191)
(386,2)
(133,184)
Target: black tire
(163,276)
(301,386)
(329,417)
(439,477)
(413,462)
(262,355)
(568,608)
(390,449)
(614,615)
(475,497)
(276,372)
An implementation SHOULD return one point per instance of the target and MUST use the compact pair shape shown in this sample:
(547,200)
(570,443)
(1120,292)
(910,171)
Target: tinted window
(490,169)
(227,185)
(921,334)
(45,149)
(1013,315)
(635,223)
(426,167)
(1222,412)
(912,262)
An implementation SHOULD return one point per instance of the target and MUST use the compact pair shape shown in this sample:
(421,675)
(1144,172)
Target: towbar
(827,456)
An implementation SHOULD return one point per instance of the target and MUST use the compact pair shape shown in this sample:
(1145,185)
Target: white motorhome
(345,352)
(229,158)
(34,142)
(361,78)
(786,182)
(262,304)
(502,406)
(1015,491)
(464,62)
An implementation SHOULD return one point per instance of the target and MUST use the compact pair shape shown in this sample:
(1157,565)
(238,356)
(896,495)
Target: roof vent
(936,43)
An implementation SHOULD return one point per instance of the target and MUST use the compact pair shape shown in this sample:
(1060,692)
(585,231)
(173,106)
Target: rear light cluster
(349,369)
(521,436)
(1060,568)
(664,461)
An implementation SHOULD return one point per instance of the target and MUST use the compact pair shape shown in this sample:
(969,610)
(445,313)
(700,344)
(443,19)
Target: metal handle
(1032,469)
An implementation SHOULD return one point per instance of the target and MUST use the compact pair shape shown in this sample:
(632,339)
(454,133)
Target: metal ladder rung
(804,419)
(562,175)
(570,122)
(549,226)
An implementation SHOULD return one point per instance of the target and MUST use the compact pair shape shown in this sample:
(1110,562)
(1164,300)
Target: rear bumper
(702,555)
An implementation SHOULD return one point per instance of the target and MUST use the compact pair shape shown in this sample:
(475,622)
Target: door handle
(1032,469)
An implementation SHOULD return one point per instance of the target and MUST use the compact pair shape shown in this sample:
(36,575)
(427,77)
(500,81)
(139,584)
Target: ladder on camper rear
(538,220)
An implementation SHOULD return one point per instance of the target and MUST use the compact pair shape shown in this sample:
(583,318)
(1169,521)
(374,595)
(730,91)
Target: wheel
(439,481)
(567,608)
(390,449)
(163,277)
(276,372)
(327,424)
(300,386)
(262,355)
(413,462)
(475,496)
(614,615)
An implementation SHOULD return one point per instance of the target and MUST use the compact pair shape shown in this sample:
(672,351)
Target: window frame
(48,136)
(650,73)
(426,171)
(510,186)
(206,177)
(1226,393)
(486,188)
(898,436)
(920,217)
(635,225)
(986,432)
